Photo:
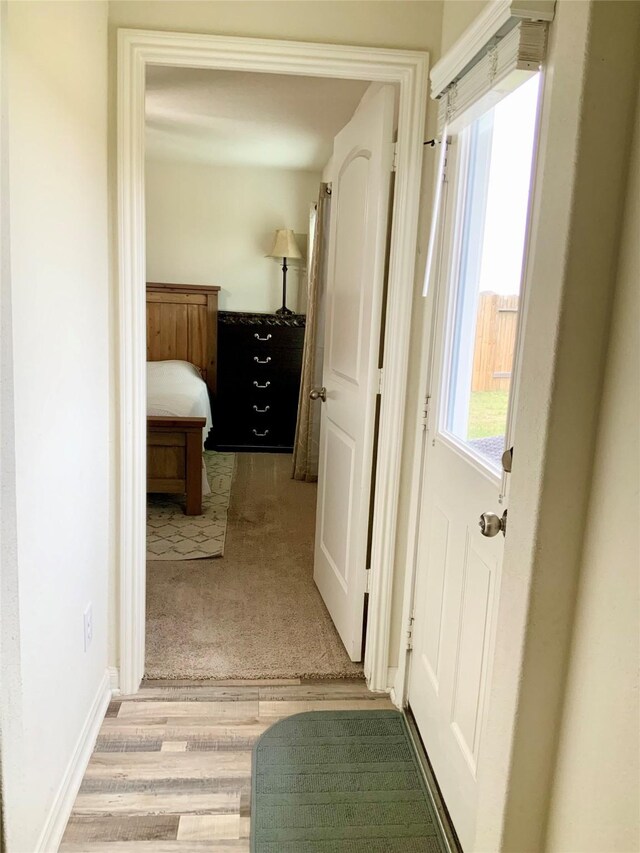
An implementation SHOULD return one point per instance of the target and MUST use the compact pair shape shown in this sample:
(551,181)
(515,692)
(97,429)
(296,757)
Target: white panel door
(458,569)
(362,162)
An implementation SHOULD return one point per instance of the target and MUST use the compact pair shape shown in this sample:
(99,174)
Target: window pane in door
(496,173)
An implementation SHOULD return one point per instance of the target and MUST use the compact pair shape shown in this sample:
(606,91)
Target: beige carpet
(172,535)
(255,612)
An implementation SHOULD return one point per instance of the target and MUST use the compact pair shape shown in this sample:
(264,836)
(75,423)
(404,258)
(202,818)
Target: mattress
(175,389)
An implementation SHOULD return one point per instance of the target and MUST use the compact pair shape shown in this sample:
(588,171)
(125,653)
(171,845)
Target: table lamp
(284,247)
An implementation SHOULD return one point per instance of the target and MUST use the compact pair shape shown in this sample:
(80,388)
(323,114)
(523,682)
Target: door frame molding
(408,70)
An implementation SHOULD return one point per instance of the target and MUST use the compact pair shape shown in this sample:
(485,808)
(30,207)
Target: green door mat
(340,782)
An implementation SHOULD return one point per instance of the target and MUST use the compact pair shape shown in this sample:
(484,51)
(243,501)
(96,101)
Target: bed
(182,323)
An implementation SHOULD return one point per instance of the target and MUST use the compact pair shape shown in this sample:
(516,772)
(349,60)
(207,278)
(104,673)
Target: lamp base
(284,310)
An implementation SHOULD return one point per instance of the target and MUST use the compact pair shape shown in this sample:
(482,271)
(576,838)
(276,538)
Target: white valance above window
(502,68)
(505,44)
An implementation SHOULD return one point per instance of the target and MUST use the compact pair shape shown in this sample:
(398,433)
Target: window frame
(454,204)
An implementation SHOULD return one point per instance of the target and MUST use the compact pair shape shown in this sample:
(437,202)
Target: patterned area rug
(172,535)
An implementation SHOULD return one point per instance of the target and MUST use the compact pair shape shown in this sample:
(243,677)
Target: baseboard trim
(56,821)
(114,679)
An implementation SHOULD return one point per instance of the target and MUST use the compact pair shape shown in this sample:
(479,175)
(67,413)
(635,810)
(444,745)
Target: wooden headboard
(182,323)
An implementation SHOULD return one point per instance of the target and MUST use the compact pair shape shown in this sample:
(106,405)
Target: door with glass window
(472,384)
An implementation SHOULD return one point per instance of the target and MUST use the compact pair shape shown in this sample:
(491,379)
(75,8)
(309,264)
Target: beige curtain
(305,448)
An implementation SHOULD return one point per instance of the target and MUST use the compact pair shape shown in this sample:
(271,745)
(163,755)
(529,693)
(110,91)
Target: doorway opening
(408,72)
(238,175)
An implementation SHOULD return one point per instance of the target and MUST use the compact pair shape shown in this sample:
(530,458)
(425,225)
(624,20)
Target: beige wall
(457,15)
(383,23)
(55,399)
(396,24)
(595,798)
(214,225)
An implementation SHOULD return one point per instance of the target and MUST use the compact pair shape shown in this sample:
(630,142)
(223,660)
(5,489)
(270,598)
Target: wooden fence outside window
(495,342)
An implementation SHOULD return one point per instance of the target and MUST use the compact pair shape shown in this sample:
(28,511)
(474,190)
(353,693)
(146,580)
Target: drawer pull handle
(261,434)
(261,411)
(262,360)
(258,338)
(258,385)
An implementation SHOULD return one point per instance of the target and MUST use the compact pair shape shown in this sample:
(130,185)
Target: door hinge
(425,412)
(368,577)
(380,377)
(394,159)
(410,634)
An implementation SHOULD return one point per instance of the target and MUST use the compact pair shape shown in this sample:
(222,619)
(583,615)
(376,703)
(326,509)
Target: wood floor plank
(229,720)
(209,827)
(213,692)
(138,828)
(198,734)
(276,709)
(140,710)
(319,690)
(227,783)
(174,746)
(167,765)
(170,683)
(149,802)
(240,845)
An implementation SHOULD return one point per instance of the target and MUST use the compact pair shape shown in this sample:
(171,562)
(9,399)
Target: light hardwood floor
(171,769)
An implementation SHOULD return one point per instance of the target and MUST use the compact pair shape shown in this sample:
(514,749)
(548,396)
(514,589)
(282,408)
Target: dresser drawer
(252,378)
(260,337)
(258,413)
(265,435)
(274,358)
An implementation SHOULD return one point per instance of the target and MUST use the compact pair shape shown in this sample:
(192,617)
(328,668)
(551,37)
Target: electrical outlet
(88,626)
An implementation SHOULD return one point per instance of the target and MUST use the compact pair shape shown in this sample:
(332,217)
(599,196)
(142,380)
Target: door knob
(318,394)
(491,524)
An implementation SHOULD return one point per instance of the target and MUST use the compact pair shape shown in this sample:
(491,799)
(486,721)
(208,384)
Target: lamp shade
(285,245)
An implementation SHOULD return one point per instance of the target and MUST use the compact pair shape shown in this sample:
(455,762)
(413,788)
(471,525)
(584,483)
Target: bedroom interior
(237,206)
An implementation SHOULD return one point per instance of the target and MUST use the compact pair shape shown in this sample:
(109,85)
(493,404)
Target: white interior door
(476,328)
(362,163)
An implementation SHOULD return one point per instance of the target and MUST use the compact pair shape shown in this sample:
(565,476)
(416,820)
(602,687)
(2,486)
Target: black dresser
(259,364)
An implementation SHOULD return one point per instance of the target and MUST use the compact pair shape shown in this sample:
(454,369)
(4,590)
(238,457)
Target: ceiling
(243,118)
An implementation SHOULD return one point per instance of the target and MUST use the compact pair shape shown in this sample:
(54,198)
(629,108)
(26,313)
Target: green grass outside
(487,413)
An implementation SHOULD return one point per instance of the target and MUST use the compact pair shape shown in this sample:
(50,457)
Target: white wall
(594,802)
(55,450)
(211,224)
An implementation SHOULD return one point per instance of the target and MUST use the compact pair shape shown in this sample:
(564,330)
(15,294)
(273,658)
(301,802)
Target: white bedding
(176,389)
